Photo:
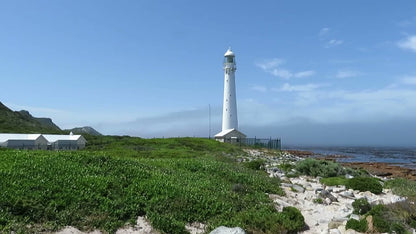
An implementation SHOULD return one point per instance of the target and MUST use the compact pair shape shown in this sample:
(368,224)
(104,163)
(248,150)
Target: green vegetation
(334,181)
(365,184)
(313,167)
(23,122)
(286,167)
(318,200)
(361,206)
(171,181)
(403,187)
(256,164)
(359,226)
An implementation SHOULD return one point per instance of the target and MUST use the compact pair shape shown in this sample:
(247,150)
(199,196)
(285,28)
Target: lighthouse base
(230,136)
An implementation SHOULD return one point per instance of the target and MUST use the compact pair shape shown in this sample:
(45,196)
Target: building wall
(68,145)
(232,137)
(26,144)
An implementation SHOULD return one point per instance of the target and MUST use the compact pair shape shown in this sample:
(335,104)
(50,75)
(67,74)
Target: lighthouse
(229,109)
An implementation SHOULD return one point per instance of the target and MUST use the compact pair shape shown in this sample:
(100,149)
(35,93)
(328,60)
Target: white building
(66,142)
(229,132)
(40,141)
(23,141)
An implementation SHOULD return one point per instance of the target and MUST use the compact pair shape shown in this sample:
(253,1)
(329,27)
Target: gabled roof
(228,131)
(53,138)
(13,136)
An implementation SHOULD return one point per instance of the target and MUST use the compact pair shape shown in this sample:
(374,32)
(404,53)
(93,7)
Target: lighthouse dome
(229,53)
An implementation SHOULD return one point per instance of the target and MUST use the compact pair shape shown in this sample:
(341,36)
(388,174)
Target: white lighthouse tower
(229,110)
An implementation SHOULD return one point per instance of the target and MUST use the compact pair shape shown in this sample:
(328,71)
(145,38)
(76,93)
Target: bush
(365,184)
(359,226)
(402,187)
(333,181)
(293,219)
(398,228)
(313,167)
(256,164)
(380,223)
(361,206)
(318,200)
(286,167)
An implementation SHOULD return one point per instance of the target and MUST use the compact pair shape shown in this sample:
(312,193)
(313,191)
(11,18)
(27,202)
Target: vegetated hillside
(84,130)
(24,122)
(115,179)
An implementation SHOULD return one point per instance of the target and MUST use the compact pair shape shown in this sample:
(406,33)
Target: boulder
(334,231)
(347,194)
(326,194)
(298,188)
(227,230)
(335,224)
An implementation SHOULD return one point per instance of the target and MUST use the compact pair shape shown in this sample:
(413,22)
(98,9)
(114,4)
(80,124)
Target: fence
(257,142)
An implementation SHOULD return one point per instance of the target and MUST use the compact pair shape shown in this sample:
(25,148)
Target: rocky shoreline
(380,169)
(326,209)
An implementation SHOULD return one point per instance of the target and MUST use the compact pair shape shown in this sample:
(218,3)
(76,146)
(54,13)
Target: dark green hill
(84,130)
(24,122)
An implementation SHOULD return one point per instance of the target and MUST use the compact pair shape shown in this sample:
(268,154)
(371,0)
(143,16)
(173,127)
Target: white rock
(328,201)
(227,230)
(334,231)
(195,228)
(354,216)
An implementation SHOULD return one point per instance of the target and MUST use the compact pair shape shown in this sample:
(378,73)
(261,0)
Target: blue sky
(311,72)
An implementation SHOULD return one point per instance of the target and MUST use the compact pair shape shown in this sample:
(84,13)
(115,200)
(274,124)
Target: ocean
(400,156)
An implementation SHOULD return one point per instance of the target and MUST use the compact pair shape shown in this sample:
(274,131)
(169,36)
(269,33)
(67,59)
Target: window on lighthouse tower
(229,59)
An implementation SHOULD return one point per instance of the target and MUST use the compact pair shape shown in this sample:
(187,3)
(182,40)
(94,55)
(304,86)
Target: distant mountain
(85,130)
(24,122)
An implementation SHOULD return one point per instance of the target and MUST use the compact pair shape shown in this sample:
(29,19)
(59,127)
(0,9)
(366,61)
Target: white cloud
(333,43)
(312,104)
(286,87)
(325,35)
(273,67)
(324,31)
(270,64)
(282,73)
(346,74)
(304,74)
(259,88)
(409,80)
(409,43)
(407,22)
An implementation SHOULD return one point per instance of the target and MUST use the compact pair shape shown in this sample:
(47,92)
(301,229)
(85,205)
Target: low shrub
(293,219)
(365,184)
(256,164)
(359,226)
(286,167)
(313,167)
(398,228)
(318,200)
(381,224)
(361,206)
(402,187)
(334,181)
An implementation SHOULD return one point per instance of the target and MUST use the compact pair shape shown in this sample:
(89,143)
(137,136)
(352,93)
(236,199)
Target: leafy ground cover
(172,181)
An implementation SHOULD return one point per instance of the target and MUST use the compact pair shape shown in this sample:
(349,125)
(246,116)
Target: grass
(403,187)
(171,181)
(334,181)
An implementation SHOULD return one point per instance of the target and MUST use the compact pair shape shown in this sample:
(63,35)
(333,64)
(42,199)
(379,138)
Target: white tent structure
(41,141)
(23,141)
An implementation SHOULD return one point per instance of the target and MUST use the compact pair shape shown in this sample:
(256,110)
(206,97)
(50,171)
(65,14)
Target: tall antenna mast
(209,128)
